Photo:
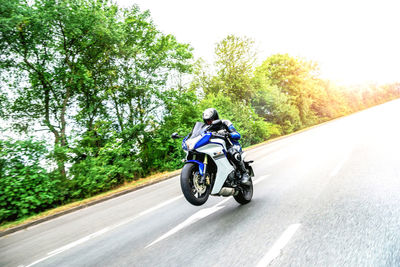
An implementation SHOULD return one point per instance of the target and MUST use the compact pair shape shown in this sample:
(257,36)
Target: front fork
(202,169)
(205,177)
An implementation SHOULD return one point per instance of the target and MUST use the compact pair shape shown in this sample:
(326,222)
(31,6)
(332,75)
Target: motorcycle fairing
(224,167)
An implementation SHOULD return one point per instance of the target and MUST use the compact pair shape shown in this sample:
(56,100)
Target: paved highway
(328,196)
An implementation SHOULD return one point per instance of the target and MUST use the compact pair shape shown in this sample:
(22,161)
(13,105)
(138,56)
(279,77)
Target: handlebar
(218,135)
(224,137)
(176,136)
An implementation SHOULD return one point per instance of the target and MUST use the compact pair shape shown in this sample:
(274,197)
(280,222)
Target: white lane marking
(198,216)
(103,231)
(79,241)
(259,179)
(70,245)
(107,229)
(36,262)
(192,219)
(279,245)
(159,205)
(339,166)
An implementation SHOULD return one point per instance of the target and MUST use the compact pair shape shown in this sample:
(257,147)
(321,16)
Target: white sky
(353,41)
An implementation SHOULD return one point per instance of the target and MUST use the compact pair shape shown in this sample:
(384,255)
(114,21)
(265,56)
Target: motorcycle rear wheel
(194,193)
(245,193)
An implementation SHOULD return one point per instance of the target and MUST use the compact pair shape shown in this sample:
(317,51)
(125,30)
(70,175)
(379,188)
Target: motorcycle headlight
(192,142)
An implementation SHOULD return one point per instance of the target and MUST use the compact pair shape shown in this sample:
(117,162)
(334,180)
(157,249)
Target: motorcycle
(208,169)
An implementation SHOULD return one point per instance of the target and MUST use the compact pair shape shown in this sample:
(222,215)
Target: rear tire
(189,173)
(245,193)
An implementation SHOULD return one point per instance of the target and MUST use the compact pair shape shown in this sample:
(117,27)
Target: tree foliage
(274,105)
(296,78)
(56,51)
(26,187)
(72,59)
(235,62)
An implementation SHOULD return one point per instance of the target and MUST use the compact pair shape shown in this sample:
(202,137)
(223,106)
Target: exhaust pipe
(227,191)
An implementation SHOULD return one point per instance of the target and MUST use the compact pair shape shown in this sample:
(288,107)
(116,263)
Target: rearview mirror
(174,136)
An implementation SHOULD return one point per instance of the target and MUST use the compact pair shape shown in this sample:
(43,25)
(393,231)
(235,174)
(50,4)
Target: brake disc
(201,188)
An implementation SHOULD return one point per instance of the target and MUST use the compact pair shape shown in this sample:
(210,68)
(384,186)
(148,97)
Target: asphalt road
(328,196)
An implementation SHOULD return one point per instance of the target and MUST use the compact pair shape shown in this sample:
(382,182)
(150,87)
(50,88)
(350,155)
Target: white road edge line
(275,250)
(103,231)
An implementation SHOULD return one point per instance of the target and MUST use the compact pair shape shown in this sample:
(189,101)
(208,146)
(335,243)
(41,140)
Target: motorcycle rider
(234,150)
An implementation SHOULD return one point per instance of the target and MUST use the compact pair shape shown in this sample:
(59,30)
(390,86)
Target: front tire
(245,193)
(194,193)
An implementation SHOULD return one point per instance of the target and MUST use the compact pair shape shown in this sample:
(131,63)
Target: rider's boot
(245,176)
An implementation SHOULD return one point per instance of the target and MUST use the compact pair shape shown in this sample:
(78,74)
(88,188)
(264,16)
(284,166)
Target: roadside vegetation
(93,93)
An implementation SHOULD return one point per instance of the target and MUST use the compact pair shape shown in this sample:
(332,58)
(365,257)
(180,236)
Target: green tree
(296,78)
(147,59)
(230,89)
(76,64)
(149,62)
(53,50)
(274,105)
(235,64)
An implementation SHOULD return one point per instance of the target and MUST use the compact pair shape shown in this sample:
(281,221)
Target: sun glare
(353,41)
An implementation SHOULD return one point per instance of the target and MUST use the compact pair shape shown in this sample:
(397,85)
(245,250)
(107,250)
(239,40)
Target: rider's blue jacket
(234,135)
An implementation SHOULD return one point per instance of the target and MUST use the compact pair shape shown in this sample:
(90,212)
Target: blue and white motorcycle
(207,168)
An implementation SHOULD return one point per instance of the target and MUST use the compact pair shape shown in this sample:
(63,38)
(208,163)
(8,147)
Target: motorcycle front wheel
(194,191)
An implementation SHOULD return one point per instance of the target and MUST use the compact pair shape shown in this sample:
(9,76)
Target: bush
(110,166)
(26,188)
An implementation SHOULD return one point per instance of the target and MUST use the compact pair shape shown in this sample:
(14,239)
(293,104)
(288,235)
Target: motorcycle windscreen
(198,129)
